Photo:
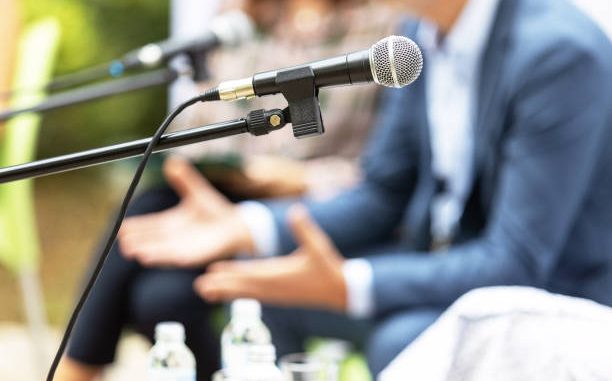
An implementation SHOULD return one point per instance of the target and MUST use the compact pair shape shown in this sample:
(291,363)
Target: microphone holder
(259,122)
(298,86)
(198,61)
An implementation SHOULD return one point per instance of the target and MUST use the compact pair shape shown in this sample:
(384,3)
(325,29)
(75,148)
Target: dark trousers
(129,295)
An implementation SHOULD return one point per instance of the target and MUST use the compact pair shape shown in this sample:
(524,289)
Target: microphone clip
(299,89)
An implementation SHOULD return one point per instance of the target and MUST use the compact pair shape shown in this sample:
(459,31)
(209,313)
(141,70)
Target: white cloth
(511,334)
(452,68)
(600,11)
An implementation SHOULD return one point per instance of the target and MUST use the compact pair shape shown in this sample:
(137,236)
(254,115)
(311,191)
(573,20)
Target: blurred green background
(93,32)
(73,209)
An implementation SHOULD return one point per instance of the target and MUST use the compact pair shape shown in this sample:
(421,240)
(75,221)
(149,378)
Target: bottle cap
(246,308)
(171,331)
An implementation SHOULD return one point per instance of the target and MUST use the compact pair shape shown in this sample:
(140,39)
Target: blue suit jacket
(540,213)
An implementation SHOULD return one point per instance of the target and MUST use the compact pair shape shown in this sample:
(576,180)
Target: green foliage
(95,32)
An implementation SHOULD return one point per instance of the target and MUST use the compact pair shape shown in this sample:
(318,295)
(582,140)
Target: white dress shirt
(452,80)
(452,66)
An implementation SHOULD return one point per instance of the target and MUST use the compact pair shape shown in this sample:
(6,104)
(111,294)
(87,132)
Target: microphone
(229,29)
(394,61)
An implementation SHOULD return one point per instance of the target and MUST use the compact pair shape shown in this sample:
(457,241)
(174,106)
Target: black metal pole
(93,92)
(80,78)
(120,151)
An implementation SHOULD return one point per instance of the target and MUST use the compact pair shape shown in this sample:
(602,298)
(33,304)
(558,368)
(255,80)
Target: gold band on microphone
(238,89)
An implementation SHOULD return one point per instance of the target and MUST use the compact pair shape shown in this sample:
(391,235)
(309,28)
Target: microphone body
(392,62)
(347,69)
(229,29)
(153,54)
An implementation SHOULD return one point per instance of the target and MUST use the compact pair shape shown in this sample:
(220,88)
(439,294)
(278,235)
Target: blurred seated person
(276,165)
(494,168)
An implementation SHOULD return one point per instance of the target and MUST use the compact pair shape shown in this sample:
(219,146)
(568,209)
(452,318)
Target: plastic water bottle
(244,330)
(260,366)
(170,359)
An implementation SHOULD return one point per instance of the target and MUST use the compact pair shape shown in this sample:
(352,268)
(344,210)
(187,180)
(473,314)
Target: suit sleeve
(559,120)
(370,212)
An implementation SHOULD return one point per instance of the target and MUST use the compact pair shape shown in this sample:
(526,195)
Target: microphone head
(233,28)
(395,61)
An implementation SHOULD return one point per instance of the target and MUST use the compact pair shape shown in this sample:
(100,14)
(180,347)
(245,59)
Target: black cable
(210,95)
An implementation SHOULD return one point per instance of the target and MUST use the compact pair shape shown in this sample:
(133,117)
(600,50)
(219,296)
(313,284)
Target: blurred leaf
(20,246)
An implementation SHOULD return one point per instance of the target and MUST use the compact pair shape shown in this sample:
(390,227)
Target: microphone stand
(98,91)
(259,122)
(303,112)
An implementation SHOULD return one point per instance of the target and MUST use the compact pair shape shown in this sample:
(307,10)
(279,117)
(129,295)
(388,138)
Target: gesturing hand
(309,277)
(203,227)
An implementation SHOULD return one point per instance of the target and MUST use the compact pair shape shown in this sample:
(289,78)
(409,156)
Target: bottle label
(162,374)
(234,356)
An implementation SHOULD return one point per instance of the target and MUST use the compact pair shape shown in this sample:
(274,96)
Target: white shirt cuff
(261,225)
(359,279)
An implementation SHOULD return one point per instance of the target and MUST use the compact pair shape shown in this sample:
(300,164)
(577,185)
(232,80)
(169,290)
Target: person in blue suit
(494,168)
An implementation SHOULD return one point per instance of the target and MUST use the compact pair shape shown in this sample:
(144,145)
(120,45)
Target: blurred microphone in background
(229,29)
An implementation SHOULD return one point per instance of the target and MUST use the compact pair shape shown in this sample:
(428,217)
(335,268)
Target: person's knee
(165,295)
(393,334)
(287,335)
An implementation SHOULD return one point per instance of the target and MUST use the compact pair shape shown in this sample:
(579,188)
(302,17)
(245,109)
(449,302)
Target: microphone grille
(395,61)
